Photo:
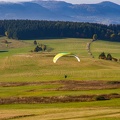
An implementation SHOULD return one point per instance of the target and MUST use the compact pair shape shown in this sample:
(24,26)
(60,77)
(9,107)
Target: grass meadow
(29,74)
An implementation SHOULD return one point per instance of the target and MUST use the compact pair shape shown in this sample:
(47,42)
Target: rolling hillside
(35,62)
(33,87)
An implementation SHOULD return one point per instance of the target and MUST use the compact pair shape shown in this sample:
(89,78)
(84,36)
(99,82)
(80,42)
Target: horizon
(68,1)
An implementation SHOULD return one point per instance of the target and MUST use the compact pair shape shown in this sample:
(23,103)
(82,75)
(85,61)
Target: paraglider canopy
(64,54)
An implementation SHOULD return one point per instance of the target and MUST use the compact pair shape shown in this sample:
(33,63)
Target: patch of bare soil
(64,85)
(88,85)
(56,99)
(69,84)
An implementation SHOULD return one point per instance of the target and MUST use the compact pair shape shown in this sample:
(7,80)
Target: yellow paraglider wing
(64,54)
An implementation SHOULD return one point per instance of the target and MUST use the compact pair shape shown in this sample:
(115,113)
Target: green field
(29,74)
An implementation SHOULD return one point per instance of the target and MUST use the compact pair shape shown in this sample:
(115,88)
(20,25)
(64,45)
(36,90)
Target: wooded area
(33,29)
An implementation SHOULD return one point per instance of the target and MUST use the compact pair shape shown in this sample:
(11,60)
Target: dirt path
(88,45)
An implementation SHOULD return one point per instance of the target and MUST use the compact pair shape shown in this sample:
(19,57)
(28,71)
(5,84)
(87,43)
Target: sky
(71,1)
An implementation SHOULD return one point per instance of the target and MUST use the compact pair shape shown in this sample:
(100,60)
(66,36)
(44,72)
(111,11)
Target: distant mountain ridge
(105,12)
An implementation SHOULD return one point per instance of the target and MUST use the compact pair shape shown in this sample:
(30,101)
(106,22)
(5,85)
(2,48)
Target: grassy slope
(35,67)
(106,47)
(19,65)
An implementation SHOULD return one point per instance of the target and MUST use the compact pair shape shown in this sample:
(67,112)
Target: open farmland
(33,87)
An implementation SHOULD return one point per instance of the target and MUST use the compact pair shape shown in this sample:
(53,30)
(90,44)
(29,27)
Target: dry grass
(40,66)
(60,114)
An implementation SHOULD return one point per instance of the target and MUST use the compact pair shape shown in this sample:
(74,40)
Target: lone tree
(102,56)
(40,48)
(109,57)
(43,47)
(95,37)
(37,48)
(35,42)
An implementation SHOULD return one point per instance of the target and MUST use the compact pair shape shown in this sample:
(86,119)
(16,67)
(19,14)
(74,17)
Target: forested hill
(33,29)
(105,12)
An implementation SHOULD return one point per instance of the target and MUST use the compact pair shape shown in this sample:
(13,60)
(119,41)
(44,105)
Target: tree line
(33,29)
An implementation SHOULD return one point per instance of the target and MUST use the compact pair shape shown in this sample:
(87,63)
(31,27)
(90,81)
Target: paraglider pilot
(65,76)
